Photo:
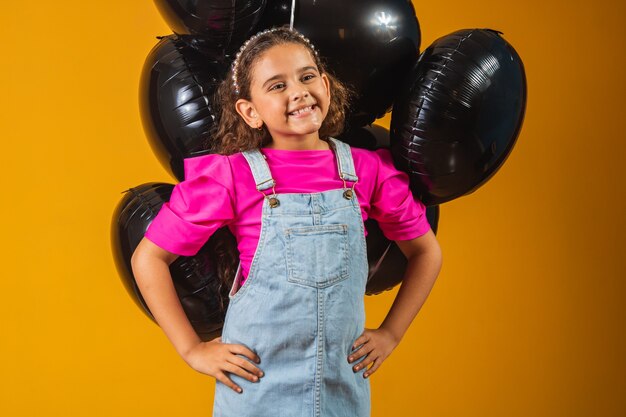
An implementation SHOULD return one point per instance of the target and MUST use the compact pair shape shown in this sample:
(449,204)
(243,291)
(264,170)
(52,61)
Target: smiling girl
(294,341)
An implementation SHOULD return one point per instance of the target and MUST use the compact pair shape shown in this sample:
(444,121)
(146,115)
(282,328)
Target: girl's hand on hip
(377,344)
(216,358)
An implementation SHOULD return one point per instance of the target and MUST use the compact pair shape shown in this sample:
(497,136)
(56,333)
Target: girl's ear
(326,84)
(247,111)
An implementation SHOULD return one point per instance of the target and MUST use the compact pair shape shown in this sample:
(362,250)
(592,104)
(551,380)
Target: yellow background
(526,317)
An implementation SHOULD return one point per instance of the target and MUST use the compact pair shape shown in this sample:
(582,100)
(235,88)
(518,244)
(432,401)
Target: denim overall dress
(301,307)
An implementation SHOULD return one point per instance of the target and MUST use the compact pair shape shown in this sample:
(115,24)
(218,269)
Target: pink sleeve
(400,215)
(198,206)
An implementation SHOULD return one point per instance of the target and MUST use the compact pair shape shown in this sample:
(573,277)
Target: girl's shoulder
(378,161)
(215,166)
(371,155)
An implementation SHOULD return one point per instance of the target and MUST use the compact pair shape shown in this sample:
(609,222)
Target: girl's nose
(301,93)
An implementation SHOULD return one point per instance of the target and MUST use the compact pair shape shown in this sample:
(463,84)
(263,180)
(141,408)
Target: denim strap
(345,163)
(260,169)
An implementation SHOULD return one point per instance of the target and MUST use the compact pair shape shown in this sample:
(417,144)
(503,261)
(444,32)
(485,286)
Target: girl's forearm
(419,278)
(155,283)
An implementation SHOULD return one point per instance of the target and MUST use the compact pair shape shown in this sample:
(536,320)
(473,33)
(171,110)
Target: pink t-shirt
(219,190)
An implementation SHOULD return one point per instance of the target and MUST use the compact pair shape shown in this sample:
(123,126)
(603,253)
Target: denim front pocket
(317,256)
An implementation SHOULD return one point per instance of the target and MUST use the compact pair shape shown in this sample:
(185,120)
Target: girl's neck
(309,145)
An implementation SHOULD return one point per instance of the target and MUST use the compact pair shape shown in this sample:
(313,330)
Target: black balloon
(216,27)
(459,115)
(386,261)
(369,44)
(203,297)
(176,88)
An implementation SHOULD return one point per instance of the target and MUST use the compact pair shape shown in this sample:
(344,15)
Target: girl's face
(285,79)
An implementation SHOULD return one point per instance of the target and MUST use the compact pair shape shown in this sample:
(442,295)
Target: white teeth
(297,112)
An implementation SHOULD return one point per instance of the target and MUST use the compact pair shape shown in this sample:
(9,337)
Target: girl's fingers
(373,368)
(362,351)
(221,376)
(359,346)
(247,365)
(359,341)
(368,359)
(363,364)
(243,350)
(237,370)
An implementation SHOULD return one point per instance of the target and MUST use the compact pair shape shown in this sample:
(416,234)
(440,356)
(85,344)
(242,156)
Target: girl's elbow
(439,255)
(434,252)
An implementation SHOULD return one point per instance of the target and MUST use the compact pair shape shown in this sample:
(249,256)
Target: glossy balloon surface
(203,297)
(175,96)
(459,115)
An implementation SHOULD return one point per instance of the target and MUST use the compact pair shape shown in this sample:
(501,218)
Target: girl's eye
(280,85)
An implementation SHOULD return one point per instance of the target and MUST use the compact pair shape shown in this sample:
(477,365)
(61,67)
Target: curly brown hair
(230,134)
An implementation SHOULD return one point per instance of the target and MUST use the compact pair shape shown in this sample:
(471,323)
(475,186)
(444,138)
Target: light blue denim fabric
(302,305)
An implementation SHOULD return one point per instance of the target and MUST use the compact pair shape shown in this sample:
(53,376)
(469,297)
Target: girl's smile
(303,111)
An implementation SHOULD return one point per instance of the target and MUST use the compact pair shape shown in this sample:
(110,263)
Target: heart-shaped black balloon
(459,115)
(203,295)
(176,91)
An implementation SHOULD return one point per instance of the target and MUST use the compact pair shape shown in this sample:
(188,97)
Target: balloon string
(293,6)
